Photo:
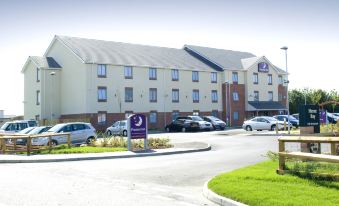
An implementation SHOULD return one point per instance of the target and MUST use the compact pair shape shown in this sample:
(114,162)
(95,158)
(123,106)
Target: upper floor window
(38,97)
(255,78)
(214,96)
(235,96)
(256,96)
(269,79)
(102,94)
(235,77)
(128,71)
(38,75)
(280,96)
(153,94)
(195,96)
(101,70)
(175,75)
(152,73)
(195,76)
(270,96)
(213,77)
(235,115)
(175,95)
(280,79)
(128,94)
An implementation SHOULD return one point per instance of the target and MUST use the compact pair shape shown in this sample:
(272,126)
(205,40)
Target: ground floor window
(175,114)
(101,117)
(214,113)
(153,117)
(196,112)
(235,115)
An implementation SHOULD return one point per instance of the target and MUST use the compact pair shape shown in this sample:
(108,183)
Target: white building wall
(31,109)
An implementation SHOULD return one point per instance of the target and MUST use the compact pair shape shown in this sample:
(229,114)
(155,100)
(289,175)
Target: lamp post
(52,75)
(288,106)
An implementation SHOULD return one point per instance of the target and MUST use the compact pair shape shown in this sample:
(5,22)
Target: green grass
(62,149)
(260,185)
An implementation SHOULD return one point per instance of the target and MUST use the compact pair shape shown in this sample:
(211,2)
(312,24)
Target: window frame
(156,117)
(195,76)
(270,93)
(101,114)
(235,96)
(270,79)
(100,68)
(214,93)
(38,97)
(280,79)
(175,74)
(256,96)
(105,94)
(235,115)
(195,96)
(128,72)
(38,74)
(255,78)
(129,89)
(173,99)
(235,77)
(152,73)
(214,75)
(151,90)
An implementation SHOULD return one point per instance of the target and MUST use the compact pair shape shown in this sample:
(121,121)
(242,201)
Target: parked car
(331,118)
(202,124)
(216,122)
(182,125)
(16,126)
(118,128)
(32,131)
(263,123)
(80,133)
(293,120)
(296,116)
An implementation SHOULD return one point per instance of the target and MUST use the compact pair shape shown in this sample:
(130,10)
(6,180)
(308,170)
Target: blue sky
(309,28)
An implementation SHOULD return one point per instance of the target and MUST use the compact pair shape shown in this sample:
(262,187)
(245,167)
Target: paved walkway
(178,148)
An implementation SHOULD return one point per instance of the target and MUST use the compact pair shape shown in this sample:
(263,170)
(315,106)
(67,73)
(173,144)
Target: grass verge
(63,149)
(260,185)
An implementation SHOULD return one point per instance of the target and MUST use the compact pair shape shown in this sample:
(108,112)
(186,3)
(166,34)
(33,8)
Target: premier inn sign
(263,67)
(309,116)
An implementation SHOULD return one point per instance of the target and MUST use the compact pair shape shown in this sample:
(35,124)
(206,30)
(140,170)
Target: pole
(288,103)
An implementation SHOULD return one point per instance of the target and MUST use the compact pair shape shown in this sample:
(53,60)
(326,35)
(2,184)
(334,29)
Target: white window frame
(153,117)
(214,77)
(175,75)
(175,95)
(235,96)
(195,76)
(214,96)
(101,70)
(101,117)
(102,94)
(152,73)
(270,96)
(153,95)
(195,95)
(128,97)
(128,72)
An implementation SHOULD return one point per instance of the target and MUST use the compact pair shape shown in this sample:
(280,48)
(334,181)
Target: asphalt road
(159,180)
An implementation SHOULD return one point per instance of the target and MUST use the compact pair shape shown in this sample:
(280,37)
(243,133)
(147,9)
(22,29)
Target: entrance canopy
(265,106)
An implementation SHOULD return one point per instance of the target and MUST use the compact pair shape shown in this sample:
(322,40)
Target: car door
(79,134)
(115,127)
(63,139)
(261,124)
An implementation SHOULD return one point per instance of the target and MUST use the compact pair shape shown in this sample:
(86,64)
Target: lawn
(260,185)
(62,149)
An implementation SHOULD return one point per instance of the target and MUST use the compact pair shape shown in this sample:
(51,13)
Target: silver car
(81,133)
(263,123)
(118,128)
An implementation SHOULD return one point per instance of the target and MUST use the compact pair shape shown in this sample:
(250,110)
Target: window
(175,95)
(195,96)
(101,70)
(214,96)
(214,113)
(128,72)
(256,96)
(280,79)
(235,77)
(37,117)
(153,117)
(195,113)
(235,115)
(280,97)
(270,96)
(175,114)
(175,75)
(153,95)
(235,96)
(195,76)
(38,75)
(102,94)
(213,77)
(255,78)
(38,97)
(128,94)
(152,73)
(101,117)
(269,79)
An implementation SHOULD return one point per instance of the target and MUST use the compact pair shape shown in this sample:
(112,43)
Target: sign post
(137,129)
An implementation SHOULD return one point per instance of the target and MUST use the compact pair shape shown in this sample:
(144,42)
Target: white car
(81,133)
(202,123)
(17,126)
(263,123)
(118,128)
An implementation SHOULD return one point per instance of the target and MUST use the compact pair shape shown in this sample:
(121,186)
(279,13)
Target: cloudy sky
(310,28)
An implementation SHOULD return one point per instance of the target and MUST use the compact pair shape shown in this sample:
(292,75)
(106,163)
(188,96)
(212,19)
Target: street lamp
(288,106)
(52,75)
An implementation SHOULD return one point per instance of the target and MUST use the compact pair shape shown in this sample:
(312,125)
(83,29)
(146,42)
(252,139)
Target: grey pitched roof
(266,105)
(226,59)
(117,53)
(45,62)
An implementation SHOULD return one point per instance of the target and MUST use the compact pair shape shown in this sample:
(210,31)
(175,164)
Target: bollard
(50,143)
(69,140)
(276,127)
(29,143)
(284,124)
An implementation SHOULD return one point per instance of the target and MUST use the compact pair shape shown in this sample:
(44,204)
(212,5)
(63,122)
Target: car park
(16,126)
(182,125)
(293,120)
(203,125)
(118,128)
(80,133)
(263,123)
(216,122)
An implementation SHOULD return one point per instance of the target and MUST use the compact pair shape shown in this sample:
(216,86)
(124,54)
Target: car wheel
(89,140)
(124,133)
(54,143)
(248,128)
(272,127)
(109,133)
(183,129)
(168,129)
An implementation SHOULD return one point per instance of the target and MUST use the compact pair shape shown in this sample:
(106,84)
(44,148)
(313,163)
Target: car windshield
(3,127)
(36,130)
(196,118)
(213,118)
(271,119)
(293,118)
(26,131)
(56,128)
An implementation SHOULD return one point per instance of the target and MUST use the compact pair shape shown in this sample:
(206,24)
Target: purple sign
(322,116)
(262,67)
(138,126)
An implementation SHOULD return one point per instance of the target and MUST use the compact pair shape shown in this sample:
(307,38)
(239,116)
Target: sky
(310,29)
